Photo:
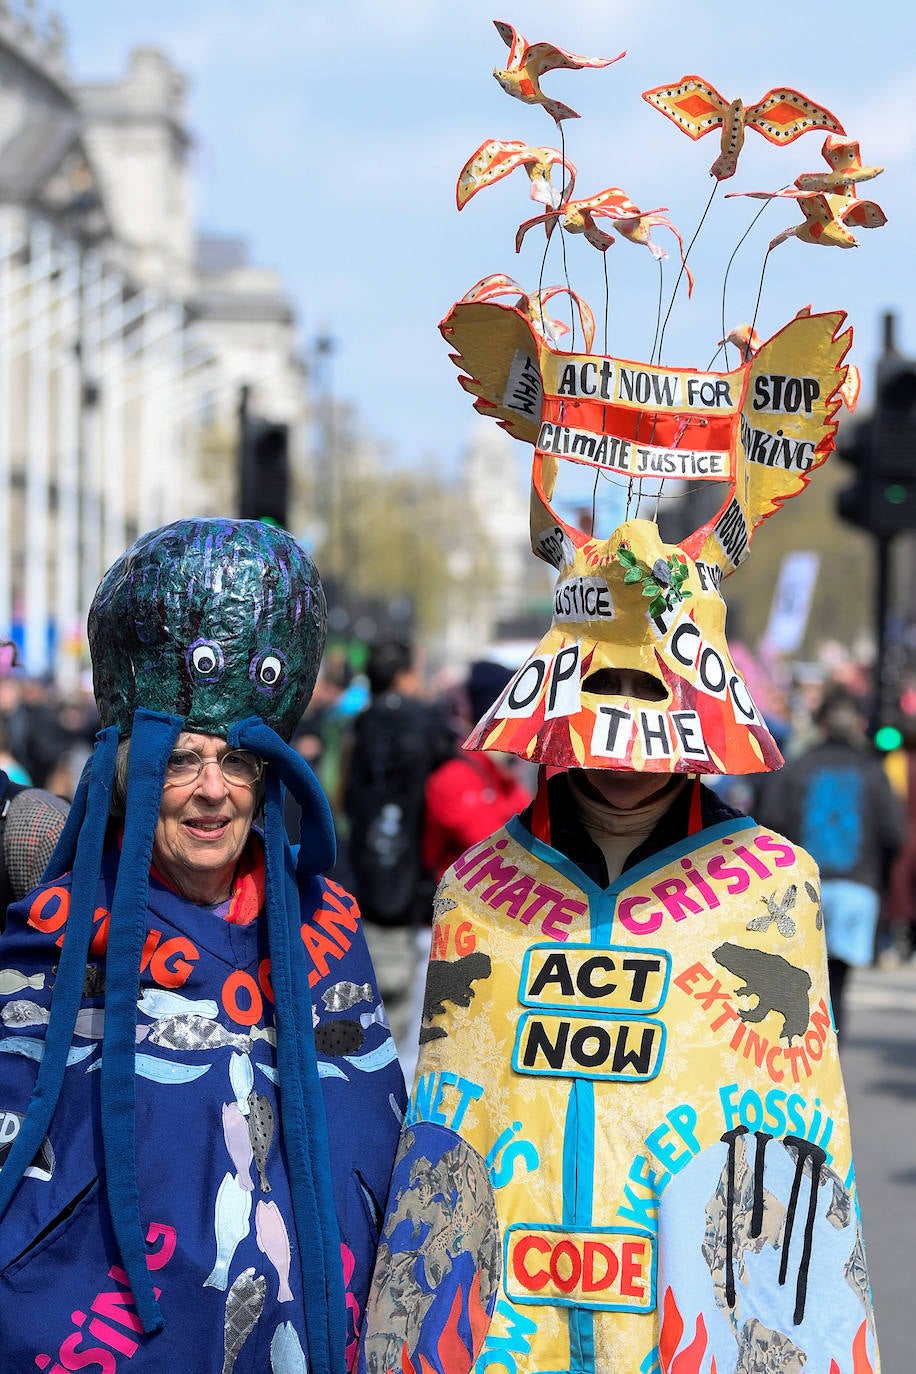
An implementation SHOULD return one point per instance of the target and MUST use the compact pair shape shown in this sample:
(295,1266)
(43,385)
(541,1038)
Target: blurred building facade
(124,338)
(499,592)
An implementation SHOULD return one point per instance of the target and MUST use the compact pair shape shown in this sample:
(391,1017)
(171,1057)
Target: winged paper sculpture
(745,338)
(496,158)
(762,428)
(696,107)
(578,217)
(528,62)
(827,220)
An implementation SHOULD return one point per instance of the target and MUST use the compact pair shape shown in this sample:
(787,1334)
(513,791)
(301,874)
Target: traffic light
(888,738)
(264,470)
(854,445)
(895,439)
(882,449)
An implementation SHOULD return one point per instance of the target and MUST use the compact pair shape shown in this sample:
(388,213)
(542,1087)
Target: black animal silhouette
(449,980)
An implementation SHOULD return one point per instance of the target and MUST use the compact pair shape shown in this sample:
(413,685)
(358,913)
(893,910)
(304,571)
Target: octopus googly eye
(268,670)
(205,660)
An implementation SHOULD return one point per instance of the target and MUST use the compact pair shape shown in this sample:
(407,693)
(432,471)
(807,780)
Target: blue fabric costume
(198,1107)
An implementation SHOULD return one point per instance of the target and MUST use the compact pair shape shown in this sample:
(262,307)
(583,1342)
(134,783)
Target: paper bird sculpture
(496,158)
(491,287)
(696,107)
(528,62)
(846,169)
(828,200)
(547,327)
(613,204)
(827,217)
(745,338)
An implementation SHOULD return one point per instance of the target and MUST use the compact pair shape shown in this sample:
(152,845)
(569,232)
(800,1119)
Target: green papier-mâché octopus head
(212,620)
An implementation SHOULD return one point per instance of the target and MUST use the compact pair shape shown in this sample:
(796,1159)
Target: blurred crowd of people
(385,742)
(851,807)
(45,736)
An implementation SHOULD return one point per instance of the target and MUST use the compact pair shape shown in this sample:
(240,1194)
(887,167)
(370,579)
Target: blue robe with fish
(214,1191)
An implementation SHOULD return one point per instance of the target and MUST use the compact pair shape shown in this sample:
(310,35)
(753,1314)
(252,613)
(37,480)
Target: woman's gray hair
(118,806)
(119,781)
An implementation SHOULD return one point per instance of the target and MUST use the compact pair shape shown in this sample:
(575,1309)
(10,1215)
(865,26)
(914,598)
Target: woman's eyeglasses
(238,767)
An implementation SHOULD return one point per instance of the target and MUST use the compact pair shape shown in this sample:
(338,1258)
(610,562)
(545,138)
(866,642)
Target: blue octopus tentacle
(152,739)
(317,841)
(304,1124)
(71,968)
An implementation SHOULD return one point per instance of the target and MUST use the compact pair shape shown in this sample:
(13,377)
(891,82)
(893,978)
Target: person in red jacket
(471,795)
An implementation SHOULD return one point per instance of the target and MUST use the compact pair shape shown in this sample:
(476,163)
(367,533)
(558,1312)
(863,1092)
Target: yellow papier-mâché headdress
(634,671)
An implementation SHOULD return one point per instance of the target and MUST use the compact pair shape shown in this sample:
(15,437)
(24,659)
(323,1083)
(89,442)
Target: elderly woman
(199,1096)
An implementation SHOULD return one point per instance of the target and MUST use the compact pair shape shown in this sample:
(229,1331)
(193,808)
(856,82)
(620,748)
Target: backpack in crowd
(397,742)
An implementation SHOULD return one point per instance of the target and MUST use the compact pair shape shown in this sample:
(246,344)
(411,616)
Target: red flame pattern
(454,1355)
(689,1360)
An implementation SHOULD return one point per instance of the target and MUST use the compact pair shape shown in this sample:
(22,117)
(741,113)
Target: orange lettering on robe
(58,898)
(318,947)
(264,980)
(242,982)
(170,963)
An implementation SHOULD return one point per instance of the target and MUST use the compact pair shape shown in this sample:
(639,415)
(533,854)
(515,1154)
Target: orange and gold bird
(637,225)
(578,217)
(493,286)
(551,329)
(745,338)
(496,158)
(846,168)
(696,107)
(528,62)
(827,216)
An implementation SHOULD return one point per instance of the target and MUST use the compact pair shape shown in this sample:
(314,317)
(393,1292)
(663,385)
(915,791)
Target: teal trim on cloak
(578,1200)
(71,968)
(579,1130)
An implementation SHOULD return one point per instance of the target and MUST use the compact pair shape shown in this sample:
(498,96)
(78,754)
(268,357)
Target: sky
(331,136)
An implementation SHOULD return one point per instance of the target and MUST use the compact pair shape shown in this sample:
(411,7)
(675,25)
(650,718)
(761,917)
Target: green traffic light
(895,494)
(888,738)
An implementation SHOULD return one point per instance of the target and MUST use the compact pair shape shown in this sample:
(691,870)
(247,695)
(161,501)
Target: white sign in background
(792,599)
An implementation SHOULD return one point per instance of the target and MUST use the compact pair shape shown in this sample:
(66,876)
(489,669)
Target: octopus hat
(214,626)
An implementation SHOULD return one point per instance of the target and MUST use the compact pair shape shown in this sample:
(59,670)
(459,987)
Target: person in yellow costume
(627,1149)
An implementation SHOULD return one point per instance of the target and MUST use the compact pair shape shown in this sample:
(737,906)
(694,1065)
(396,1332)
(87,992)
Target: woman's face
(203,826)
